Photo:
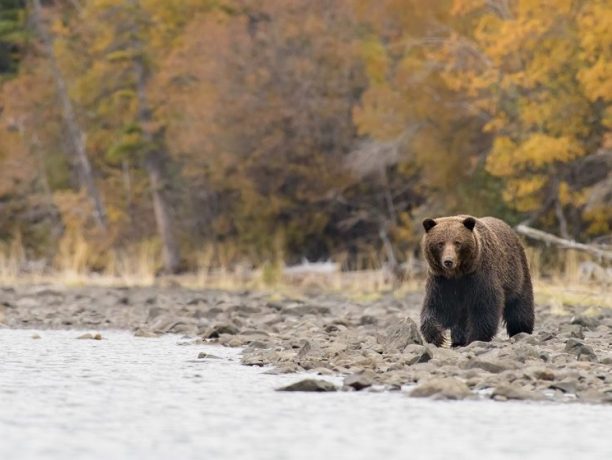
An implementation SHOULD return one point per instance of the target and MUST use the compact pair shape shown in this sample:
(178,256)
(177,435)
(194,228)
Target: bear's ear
(428,224)
(469,223)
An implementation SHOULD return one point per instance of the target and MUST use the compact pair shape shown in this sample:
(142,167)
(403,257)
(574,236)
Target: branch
(561,242)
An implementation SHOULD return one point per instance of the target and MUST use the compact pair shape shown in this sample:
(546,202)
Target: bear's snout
(449,257)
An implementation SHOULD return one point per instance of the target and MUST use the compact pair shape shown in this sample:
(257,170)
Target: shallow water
(130,397)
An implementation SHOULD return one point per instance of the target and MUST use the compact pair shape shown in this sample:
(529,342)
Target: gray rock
(595,397)
(494,366)
(258,344)
(540,373)
(306,348)
(506,391)
(446,355)
(359,380)
(478,347)
(524,351)
(7,304)
(572,330)
(444,388)
(607,360)
(545,336)
(312,385)
(566,386)
(301,310)
(368,319)
(284,369)
(583,352)
(154,312)
(27,302)
(520,336)
(415,354)
(204,355)
(398,336)
(589,322)
(219,329)
(142,332)
(89,336)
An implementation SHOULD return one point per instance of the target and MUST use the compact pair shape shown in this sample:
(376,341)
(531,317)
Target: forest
(235,131)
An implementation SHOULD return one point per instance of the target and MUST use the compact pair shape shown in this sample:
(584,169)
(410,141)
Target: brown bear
(478,274)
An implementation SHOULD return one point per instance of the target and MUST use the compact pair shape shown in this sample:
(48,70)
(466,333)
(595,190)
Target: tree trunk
(155,160)
(75,133)
(171,252)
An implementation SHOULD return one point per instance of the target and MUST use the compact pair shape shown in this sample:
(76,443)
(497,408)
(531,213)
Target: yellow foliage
(522,193)
(599,220)
(500,161)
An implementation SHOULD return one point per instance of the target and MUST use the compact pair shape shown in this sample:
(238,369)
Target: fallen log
(562,242)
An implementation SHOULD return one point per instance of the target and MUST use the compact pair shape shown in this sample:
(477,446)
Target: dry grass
(138,265)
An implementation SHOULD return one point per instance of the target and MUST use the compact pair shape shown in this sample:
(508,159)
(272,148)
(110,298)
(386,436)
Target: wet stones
(310,385)
(442,388)
(372,343)
(566,386)
(572,330)
(218,329)
(494,366)
(504,392)
(90,336)
(582,351)
(302,310)
(144,332)
(359,380)
(589,322)
(415,354)
(204,355)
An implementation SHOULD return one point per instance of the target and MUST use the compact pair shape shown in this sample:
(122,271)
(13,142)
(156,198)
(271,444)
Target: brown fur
(478,273)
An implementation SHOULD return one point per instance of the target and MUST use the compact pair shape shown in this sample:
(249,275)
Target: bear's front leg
(432,331)
(459,332)
(484,316)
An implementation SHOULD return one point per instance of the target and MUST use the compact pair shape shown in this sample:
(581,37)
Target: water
(129,397)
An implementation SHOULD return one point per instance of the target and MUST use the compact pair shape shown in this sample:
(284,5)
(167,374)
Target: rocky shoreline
(374,343)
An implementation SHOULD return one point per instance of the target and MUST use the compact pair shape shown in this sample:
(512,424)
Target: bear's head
(451,245)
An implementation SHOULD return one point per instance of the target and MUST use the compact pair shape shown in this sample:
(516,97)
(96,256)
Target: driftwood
(562,242)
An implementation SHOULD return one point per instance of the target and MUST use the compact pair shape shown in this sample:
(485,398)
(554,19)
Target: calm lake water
(128,397)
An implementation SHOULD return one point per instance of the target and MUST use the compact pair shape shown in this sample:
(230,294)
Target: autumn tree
(124,43)
(541,71)
(265,114)
(410,108)
(298,128)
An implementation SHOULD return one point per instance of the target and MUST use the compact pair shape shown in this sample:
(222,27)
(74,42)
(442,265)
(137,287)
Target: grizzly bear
(478,274)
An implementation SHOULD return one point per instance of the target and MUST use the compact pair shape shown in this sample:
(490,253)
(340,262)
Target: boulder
(582,351)
(443,388)
(311,385)
(398,336)
(359,380)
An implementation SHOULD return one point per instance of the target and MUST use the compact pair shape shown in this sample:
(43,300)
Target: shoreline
(371,342)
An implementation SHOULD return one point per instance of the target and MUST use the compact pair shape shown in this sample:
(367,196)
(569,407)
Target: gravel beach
(375,344)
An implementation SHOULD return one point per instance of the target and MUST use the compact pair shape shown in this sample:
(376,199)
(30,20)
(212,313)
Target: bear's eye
(440,244)
(458,243)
